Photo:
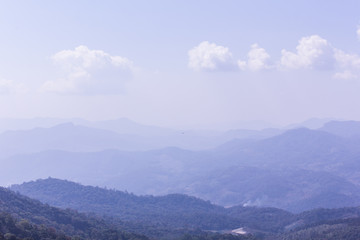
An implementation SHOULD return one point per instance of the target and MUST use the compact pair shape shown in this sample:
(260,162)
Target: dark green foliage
(67,222)
(11,228)
(325,215)
(24,217)
(210,236)
(174,211)
(330,231)
(264,219)
(178,216)
(329,224)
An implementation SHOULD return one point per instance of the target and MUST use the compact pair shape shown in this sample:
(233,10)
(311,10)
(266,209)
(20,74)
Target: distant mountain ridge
(68,137)
(120,125)
(119,134)
(342,128)
(312,123)
(296,170)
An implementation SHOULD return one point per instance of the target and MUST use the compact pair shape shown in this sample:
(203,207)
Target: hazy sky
(180,62)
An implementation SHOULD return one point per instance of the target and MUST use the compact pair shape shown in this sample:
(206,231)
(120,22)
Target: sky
(180,63)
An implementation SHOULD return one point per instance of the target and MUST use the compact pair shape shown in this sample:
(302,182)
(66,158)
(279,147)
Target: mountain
(68,137)
(135,171)
(312,123)
(251,134)
(120,125)
(123,134)
(15,124)
(14,229)
(174,211)
(345,229)
(126,126)
(176,170)
(293,190)
(298,170)
(342,128)
(171,211)
(300,148)
(25,217)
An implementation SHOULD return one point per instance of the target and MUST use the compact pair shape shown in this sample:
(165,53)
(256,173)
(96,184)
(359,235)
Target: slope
(67,222)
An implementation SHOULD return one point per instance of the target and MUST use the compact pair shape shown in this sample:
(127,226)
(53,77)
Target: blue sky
(180,63)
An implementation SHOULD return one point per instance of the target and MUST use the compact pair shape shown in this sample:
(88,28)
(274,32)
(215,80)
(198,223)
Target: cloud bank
(86,71)
(210,57)
(348,65)
(312,53)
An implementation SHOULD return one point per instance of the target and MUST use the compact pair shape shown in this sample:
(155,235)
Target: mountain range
(156,217)
(298,169)
(117,134)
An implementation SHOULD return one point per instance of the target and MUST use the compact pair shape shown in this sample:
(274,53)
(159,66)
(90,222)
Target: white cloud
(312,52)
(210,57)
(349,64)
(88,71)
(10,87)
(346,60)
(258,59)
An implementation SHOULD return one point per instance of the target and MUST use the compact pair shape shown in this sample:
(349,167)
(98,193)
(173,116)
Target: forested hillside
(22,217)
(173,212)
(20,213)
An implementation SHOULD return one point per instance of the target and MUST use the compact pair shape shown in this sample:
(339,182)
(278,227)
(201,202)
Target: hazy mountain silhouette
(312,123)
(343,128)
(297,170)
(67,137)
(122,134)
